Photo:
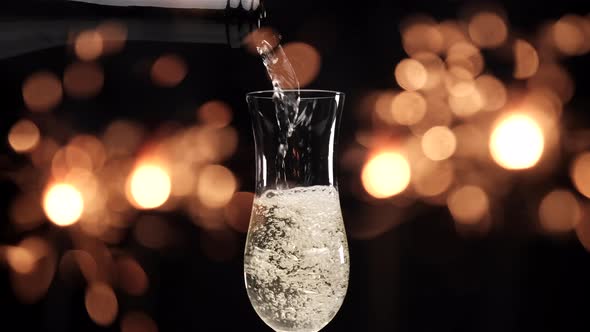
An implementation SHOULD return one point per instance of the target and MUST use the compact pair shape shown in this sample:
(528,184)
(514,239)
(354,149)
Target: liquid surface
(296,261)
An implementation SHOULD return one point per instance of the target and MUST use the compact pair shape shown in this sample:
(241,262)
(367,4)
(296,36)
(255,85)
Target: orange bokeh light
(526,59)
(411,75)
(559,211)
(488,29)
(408,108)
(386,174)
(63,204)
(24,136)
(42,91)
(216,186)
(580,173)
(517,142)
(468,204)
(83,80)
(101,303)
(88,45)
(149,186)
(169,70)
(439,143)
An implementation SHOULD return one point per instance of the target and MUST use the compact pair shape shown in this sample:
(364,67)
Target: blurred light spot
(86,183)
(471,142)
(421,35)
(526,59)
(42,91)
(468,204)
(169,70)
(438,114)
(63,204)
(152,232)
(439,143)
(78,261)
(24,136)
(149,186)
(131,277)
(31,286)
(92,147)
(383,106)
(466,56)
(136,321)
(583,229)
(459,82)
(83,80)
(68,158)
(26,211)
(492,91)
(559,211)
(216,114)
(569,35)
(517,142)
(219,245)
(182,179)
(431,179)
(121,138)
(305,60)
(42,155)
(238,211)
(101,303)
(434,68)
(580,173)
(21,260)
(408,108)
(410,74)
(466,105)
(488,30)
(114,36)
(216,186)
(452,34)
(386,174)
(545,101)
(88,45)
(553,77)
(263,35)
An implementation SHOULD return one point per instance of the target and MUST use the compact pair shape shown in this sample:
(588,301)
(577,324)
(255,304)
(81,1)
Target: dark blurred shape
(42,91)
(136,321)
(31,286)
(83,80)
(153,232)
(219,245)
(215,113)
(130,276)
(169,70)
(101,303)
(238,210)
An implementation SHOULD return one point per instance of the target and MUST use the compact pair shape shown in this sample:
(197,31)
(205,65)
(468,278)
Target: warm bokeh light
(92,147)
(31,286)
(216,186)
(68,158)
(571,35)
(438,114)
(149,186)
(381,103)
(169,70)
(552,76)
(411,75)
(468,204)
(42,91)
(83,80)
(136,321)
(580,173)
(408,108)
(88,45)
(63,204)
(526,59)
(421,35)
(182,179)
(559,211)
(114,36)
(488,29)
(237,212)
(386,174)
(20,259)
(467,56)
(101,303)
(517,142)
(215,113)
(452,33)
(492,91)
(432,178)
(131,277)
(434,67)
(24,136)
(439,143)
(305,60)
(459,81)
(78,263)
(468,104)
(122,138)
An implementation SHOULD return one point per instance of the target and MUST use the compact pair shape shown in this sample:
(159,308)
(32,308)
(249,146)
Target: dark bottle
(31,25)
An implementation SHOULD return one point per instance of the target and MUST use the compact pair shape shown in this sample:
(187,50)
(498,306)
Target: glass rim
(321,94)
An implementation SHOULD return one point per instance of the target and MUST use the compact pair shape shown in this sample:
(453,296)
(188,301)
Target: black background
(420,276)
